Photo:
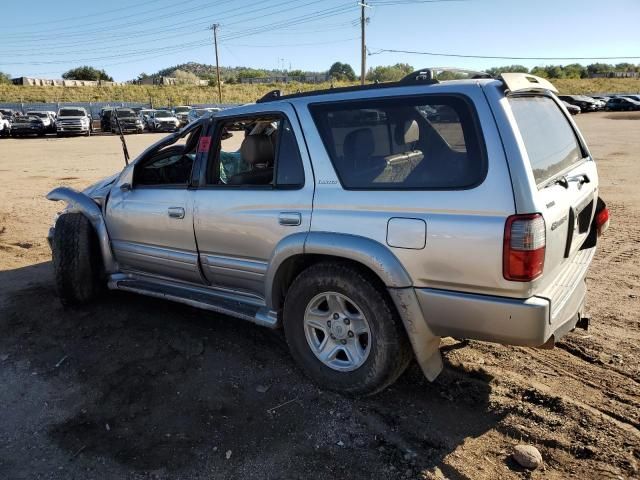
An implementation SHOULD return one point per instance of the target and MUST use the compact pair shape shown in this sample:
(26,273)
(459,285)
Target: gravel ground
(132,387)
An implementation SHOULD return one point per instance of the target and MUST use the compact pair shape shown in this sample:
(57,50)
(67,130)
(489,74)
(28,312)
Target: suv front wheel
(76,260)
(343,329)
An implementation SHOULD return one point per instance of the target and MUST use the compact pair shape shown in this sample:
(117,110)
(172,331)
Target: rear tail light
(602,220)
(524,247)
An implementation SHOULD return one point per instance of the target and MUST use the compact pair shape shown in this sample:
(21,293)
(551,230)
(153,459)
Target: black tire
(76,260)
(390,350)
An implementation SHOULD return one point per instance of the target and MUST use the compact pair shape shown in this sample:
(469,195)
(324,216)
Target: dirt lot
(132,387)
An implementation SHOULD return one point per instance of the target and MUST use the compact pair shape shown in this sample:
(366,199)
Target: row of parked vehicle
(78,121)
(582,103)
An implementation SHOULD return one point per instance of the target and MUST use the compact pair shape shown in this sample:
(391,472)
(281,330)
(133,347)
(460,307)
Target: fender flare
(370,253)
(81,203)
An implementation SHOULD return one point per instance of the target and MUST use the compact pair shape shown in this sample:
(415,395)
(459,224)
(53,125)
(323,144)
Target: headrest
(407,132)
(359,144)
(257,149)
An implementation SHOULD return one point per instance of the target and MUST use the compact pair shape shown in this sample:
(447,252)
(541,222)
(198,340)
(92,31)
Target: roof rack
(435,74)
(425,76)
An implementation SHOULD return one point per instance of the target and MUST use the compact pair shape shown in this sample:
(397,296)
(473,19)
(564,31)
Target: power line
(256,30)
(49,21)
(500,57)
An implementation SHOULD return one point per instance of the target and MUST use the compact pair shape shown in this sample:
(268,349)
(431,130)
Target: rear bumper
(513,321)
(498,319)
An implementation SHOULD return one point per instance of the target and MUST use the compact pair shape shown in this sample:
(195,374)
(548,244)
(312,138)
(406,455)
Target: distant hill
(228,74)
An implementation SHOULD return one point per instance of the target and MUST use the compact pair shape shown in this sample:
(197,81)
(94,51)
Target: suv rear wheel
(76,259)
(343,329)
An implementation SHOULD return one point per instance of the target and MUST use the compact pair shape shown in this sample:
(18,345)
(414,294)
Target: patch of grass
(241,93)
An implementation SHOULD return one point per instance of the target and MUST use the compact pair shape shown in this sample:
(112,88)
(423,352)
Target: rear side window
(403,143)
(550,141)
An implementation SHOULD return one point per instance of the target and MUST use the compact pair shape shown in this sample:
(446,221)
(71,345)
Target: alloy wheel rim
(337,331)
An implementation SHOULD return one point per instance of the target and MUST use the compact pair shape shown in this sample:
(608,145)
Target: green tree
(86,73)
(555,71)
(574,70)
(495,71)
(5,78)
(599,68)
(296,73)
(389,73)
(540,72)
(342,71)
(250,73)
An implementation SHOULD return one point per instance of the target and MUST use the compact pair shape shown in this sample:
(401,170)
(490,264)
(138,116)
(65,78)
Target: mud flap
(426,345)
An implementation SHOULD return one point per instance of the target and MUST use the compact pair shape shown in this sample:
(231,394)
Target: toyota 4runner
(367,222)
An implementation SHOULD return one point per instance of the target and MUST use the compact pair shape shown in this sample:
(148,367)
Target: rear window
(428,142)
(550,141)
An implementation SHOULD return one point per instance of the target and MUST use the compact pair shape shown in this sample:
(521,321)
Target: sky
(45,38)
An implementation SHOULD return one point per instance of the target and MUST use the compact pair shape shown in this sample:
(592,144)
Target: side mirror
(125,187)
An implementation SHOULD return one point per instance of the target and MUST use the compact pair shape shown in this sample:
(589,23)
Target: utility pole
(363,46)
(214,27)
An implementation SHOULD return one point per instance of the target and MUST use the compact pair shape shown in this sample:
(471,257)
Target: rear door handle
(176,212)
(290,219)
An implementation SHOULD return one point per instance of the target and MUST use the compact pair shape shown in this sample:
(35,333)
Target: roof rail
(436,74)
(272,95)
(426,76)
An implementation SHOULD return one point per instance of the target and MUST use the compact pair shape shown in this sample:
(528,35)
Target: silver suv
(368,222)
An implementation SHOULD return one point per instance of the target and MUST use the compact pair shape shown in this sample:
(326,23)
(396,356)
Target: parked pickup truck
(367,222)
(48,119)
(73,121)
(128,120)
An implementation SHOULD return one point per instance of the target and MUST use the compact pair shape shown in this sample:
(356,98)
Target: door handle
(290,219)
(176,212)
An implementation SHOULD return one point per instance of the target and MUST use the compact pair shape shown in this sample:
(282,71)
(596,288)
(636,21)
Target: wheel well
(294,265)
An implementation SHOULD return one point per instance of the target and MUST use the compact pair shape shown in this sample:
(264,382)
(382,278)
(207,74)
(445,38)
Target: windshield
(163,115)
(71,112)
(37,114)
(182,109)
(550,141)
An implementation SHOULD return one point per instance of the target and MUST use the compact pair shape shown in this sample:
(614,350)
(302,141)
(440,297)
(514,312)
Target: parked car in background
(196,113)
(573,109)
(26,125)
(182,114)
(359,225)
(622,103)
(105,119)
(129,120)
(632,97)
(5,126)
(47,119)
(73,121)
(163,121)
(8,113)
(145,115)
(586,104)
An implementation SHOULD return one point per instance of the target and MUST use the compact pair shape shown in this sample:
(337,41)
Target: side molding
(79,202)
